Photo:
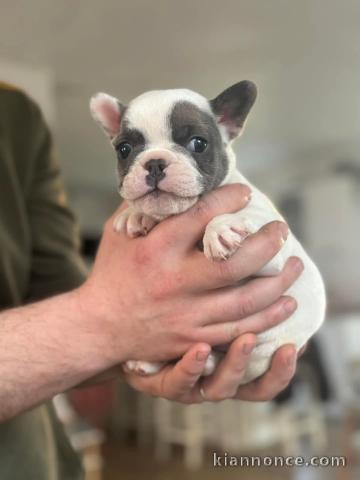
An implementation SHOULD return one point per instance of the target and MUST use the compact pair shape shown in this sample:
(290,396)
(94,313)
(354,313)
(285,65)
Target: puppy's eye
(197,145)
(124,149)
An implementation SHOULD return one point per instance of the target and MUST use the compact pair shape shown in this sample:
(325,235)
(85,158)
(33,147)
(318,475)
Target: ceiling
(304,56)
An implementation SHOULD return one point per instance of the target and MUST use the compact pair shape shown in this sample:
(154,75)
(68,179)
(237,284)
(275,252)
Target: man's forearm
(46,348)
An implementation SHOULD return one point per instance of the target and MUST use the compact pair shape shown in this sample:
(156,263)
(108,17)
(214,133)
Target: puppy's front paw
(143,368)
(134,224)
(224,234)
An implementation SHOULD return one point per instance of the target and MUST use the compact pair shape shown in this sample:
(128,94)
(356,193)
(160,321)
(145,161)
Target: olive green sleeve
(56,265)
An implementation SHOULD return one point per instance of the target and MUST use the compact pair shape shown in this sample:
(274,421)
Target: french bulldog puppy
(173,146)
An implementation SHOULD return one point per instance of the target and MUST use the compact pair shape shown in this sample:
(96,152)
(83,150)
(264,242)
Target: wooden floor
(125,461)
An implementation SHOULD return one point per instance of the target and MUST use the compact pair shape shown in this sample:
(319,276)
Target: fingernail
(201,356)
(298,265)
(246,189)
(248,197)
(289,305)
(284,230)
(248,348)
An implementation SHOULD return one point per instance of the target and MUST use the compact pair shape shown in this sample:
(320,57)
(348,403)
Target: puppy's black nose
(156,168)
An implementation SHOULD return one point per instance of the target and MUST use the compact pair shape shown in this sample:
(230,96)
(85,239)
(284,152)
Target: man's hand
(154,297)
(181,382)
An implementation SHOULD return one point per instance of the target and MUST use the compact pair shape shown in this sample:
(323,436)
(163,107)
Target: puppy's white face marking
(172,145)
(149,113)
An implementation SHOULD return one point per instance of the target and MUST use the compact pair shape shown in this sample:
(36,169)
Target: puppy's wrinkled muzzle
(162,170)
(162,182)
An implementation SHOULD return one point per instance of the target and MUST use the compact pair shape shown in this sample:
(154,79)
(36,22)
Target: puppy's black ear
(232,106)
(107,112)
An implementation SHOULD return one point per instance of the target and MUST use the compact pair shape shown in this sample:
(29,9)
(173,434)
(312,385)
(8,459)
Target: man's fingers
(225,381)
(265,388)
(261,292)
(179,382)
(186,229)
(180,379)
(175,382)
(234,303)
(253,254)
(226,332)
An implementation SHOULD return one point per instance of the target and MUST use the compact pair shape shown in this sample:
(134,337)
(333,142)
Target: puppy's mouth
(158,192)
(160,203)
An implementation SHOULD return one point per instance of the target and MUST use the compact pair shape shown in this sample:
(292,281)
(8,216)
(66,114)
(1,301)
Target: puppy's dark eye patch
(131,136)
(195,132)
(128,145)
(183,134)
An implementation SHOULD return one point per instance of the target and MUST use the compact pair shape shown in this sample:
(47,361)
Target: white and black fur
(162,172)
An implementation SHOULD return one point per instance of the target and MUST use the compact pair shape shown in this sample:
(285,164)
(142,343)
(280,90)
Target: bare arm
(45,348)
